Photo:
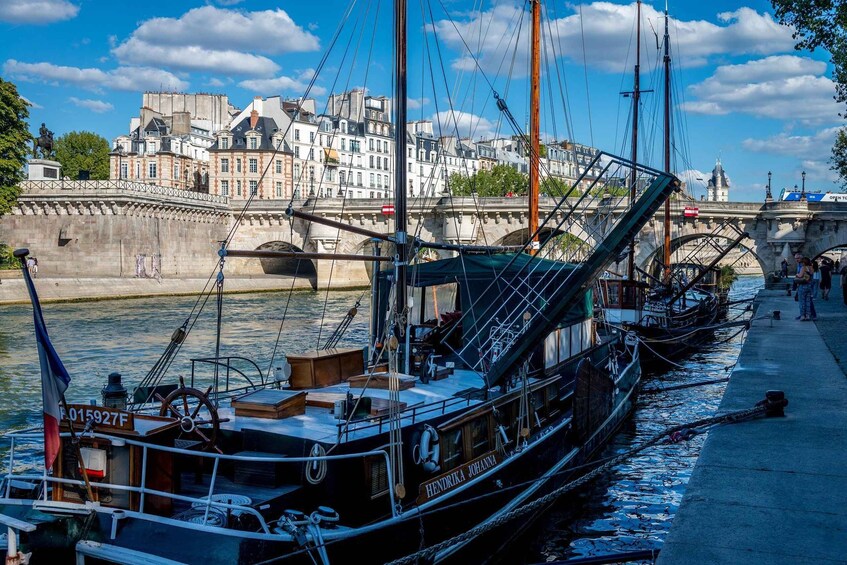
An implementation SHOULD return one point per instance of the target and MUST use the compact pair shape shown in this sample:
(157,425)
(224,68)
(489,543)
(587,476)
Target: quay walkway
(774,490)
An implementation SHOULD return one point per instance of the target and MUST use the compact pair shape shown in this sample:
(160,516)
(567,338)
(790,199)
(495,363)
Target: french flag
(54,376)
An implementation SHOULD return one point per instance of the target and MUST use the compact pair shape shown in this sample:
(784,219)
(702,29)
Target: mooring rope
(673,435)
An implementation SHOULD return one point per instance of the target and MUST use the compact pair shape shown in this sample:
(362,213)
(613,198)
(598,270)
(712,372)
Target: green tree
(14,143)
(83,151)
(819,23)
(499,181)
(839,155)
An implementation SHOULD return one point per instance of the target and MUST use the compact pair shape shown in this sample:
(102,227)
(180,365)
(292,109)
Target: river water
(630,507)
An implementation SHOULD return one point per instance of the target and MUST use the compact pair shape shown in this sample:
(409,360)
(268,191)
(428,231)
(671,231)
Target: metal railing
(36,186)
(226,363)
(43,480)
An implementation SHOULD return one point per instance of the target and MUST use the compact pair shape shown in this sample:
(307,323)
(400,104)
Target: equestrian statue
(44,141)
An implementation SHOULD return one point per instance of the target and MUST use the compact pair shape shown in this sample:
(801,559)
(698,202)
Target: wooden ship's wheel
(200,423)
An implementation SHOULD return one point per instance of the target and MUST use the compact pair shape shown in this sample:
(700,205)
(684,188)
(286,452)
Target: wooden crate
(272,404)
(380,381)
(318,369)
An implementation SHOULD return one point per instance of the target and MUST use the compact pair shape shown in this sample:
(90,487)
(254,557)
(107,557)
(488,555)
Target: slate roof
(266,128)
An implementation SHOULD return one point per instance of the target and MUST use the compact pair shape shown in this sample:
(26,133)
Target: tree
(839,155)
(819,23)
(83,151)
(14,143)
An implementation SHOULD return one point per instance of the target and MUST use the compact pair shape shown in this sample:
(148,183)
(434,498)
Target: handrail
(218,361)
(143,490)
(123,185)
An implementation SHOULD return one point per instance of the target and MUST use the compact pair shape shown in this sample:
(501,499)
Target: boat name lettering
(470,470)
(101,416)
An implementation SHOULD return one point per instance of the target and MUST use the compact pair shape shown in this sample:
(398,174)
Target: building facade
(717,189)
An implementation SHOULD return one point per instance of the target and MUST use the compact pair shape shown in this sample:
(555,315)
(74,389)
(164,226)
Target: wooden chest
(318,369)
(269,403)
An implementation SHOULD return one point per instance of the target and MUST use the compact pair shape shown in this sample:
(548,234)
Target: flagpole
(52,369)
(75,442)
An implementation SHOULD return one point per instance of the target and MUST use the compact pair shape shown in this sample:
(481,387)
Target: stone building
(251,158)
(718,188)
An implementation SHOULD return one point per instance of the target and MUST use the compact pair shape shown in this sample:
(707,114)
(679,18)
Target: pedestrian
(843,273)
(784,267)
(800,266)
(804,290)
(816,279)
(826,279)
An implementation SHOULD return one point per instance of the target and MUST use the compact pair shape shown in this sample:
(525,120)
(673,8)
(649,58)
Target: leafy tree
(14,143)
(839,155)
(499,181)
(83,151)
(820,23)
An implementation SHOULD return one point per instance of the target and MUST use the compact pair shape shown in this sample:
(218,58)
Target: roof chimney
(254,118)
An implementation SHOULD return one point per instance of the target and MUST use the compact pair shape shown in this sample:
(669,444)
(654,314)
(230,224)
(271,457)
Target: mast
(400,162)
(534,125)
(636,97)
(666,278)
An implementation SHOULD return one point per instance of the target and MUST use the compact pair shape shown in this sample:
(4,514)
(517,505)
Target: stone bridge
(100,228)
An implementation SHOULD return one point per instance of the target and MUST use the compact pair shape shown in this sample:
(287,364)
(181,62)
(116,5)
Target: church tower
(718,188)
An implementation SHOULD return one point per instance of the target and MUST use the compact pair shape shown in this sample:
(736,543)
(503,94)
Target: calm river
(631,507)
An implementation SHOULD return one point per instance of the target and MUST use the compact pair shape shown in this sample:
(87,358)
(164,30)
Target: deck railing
(43,480)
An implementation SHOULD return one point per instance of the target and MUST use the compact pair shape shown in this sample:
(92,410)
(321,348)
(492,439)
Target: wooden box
(318,369)
(269,403)
(380,381)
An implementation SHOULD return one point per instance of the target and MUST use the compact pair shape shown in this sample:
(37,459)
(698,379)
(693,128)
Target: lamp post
(803,190)
(768,194)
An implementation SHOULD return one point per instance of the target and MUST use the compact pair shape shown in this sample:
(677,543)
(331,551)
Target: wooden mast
(666,278)
(400,163)
(636,97)
(534,125)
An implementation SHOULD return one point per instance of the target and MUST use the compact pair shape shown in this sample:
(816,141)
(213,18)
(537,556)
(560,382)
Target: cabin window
(378,476)
(551,350)
(452,449)
(630,297)
(433,301)
(479,433)
(613,294)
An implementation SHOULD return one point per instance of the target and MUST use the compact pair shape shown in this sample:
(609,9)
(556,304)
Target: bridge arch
(653,259)
(299,268)
(570,243)
(827,239)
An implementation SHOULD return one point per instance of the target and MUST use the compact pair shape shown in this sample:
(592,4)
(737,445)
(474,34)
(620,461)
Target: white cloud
(194,58)
(695,181)
(812,146)
(270,86)
(31,103)
(467,124)
(607,32)
(121,78)
(210,38)
(416,103)
(96,106)
(783,87)
(37,11)
(216,82)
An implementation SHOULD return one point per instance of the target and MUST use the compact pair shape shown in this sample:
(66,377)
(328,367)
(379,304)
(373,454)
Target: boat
(486,385)
(677,310)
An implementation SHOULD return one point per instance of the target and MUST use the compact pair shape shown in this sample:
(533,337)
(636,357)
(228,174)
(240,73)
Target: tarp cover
(482,299)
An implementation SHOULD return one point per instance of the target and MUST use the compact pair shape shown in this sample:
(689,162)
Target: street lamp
(803,191)
(768,195)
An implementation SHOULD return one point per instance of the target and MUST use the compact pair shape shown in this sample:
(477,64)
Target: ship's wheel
(200,423)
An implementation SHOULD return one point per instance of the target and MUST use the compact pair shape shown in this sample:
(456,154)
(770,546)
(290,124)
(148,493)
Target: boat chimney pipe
(114,394)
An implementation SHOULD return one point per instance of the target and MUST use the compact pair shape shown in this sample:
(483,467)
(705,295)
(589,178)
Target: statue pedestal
(44,169)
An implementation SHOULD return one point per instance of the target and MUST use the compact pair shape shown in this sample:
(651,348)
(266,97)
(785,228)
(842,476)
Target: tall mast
(400,160)
(636,96)
(534,126)
(666,278)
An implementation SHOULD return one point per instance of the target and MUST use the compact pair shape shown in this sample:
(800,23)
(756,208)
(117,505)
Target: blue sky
(742,93)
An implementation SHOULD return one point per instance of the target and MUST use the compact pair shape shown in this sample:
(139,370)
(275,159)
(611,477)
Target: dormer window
(254,143)
(224,143)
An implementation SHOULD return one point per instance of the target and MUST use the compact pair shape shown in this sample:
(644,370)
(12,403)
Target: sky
(741,92)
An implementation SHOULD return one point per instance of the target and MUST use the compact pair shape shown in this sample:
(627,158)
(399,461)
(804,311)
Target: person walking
(816,279)
(826,278)
(784,268)
(800,266)
(843,273)
(803,280)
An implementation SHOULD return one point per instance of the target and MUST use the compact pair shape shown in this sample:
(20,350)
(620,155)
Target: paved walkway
(62,289)
(775,490)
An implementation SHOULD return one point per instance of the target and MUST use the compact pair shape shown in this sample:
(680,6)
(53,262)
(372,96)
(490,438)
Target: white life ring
(429,450)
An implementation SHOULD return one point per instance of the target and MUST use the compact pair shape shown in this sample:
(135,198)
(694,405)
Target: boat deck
(319,424)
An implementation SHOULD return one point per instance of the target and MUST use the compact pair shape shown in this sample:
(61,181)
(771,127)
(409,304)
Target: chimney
(254,118)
